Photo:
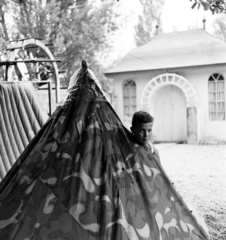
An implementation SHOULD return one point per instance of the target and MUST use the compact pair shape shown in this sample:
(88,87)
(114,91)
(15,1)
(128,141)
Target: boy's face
(142,132)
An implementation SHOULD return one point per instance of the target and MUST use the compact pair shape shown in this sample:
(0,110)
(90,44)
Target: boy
(142,124)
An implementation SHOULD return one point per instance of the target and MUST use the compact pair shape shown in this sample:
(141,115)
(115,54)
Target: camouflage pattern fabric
(84,177)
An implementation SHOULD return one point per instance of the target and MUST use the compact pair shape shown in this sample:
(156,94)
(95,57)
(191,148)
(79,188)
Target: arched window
(129,97)
(216,85)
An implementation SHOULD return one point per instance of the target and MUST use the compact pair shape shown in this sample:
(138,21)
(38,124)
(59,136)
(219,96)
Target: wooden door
(170,115)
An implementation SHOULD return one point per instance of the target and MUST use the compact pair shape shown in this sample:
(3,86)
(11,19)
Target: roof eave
(165,68)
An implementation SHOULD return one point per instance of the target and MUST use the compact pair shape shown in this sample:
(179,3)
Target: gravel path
(199,175)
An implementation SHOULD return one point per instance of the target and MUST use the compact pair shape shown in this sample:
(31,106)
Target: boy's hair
(141,117)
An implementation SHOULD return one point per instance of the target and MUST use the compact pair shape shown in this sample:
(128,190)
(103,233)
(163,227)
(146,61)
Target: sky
(177,15)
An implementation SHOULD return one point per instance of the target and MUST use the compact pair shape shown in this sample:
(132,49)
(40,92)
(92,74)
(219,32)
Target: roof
(173,50)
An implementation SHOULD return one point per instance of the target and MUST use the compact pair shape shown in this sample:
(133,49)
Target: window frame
(215,94)
(131,98)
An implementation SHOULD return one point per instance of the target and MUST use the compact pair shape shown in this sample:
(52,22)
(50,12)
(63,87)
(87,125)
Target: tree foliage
(78,30)
(35,18)
(3,28)
(148,21)
(215,6)
(220,27)
(81,29)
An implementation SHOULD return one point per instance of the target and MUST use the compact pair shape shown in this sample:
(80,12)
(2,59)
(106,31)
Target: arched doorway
(172,100)
(169,110)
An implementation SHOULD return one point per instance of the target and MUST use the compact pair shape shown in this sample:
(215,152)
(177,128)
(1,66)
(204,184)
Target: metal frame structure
(26,44)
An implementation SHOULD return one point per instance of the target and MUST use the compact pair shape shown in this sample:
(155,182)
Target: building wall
(140,78)
(198,76)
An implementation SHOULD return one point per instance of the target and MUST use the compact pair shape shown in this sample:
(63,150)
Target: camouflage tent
(83,177)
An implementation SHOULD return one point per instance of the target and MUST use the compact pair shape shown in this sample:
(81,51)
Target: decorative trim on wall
(168,79)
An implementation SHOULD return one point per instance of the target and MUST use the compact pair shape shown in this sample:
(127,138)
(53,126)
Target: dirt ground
(199,175)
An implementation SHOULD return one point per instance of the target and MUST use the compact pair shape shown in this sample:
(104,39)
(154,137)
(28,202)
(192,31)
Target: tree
(83,29)
(4,33)
(35,18)
(78,30)
(87,35)
(215,6)
(148,21)
(220,27)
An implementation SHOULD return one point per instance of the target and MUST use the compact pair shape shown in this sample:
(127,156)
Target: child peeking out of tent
(142,125)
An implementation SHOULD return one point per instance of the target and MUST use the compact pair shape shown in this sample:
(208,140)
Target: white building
(179,78)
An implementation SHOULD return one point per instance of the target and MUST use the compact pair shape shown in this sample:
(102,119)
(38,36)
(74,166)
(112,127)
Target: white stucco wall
(198,76)
(140,78)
